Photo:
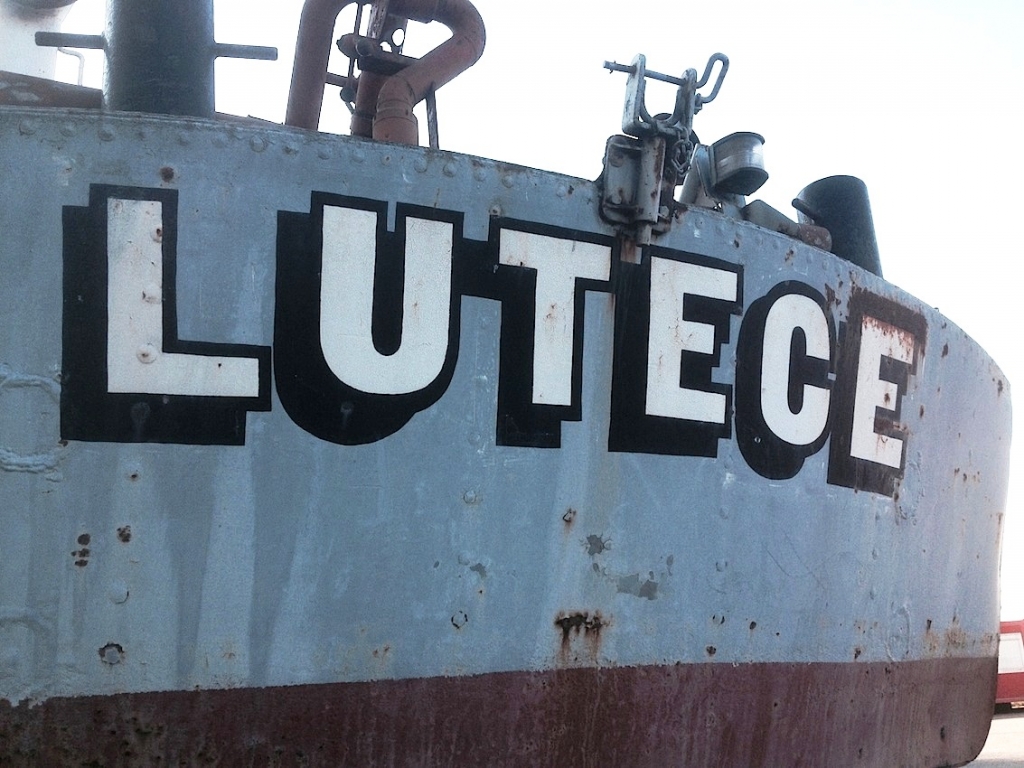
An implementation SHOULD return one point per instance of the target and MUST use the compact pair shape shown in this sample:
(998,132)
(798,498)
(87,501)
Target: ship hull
(726,499)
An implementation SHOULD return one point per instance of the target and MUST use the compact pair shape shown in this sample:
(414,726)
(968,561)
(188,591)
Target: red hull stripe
(923,713)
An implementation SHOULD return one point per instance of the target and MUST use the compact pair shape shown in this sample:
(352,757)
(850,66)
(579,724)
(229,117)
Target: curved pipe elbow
(394,119)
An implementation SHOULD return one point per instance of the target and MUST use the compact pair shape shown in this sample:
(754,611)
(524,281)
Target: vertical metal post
(160,56)
(370,83)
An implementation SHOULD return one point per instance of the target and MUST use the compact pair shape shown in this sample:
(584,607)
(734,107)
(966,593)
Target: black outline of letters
(312,395)
(846,470)
(332,410)
(520,421)
(87,410)
(764,451)
(631,429)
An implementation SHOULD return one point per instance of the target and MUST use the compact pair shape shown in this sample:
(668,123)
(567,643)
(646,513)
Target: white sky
(916,97)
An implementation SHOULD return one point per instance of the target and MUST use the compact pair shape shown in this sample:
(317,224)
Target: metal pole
(160,56)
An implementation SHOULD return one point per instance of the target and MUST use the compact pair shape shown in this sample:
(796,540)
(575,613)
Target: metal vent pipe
(19,22)
(840,204)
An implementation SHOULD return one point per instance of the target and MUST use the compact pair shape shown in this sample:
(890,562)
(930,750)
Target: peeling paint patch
(597,544)
(632,585)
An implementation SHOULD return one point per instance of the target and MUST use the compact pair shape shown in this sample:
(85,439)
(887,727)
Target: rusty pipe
(365,106)
(395,120)
(312,50)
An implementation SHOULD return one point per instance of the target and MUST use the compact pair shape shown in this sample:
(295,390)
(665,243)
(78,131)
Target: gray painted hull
(433,568)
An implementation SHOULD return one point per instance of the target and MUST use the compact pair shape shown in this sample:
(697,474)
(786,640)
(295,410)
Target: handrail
(312,51)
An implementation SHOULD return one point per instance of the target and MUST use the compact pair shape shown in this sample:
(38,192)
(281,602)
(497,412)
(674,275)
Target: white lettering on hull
(670,335)
(879,341)
(137,361)
(367,331)
(791,313)
(559,265)
(346,303)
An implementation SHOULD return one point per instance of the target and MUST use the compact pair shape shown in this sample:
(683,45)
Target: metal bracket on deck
(643,168)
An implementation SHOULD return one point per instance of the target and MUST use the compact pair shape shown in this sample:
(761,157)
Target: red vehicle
(1010,684)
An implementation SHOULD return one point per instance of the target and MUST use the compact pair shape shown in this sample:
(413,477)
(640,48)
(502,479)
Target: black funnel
(840,204)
